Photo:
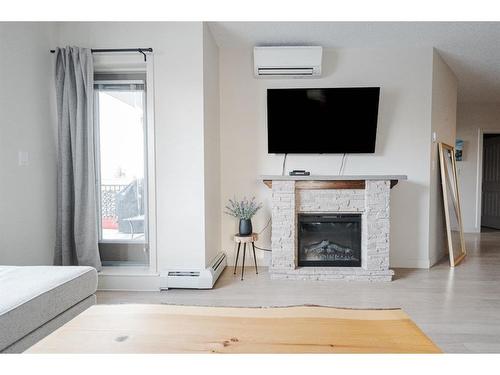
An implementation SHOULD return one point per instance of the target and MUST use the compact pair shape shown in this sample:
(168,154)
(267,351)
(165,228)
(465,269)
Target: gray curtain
(77,235)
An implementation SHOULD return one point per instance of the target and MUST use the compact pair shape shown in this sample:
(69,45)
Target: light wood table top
(245,239)
(190,329)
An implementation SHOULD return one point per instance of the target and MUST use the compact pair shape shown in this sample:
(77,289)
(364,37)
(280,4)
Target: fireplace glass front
(329,240)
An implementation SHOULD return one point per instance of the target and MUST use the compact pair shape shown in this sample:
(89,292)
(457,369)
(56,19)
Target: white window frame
(148,68)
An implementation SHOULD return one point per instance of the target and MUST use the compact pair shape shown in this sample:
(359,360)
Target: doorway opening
(490,183)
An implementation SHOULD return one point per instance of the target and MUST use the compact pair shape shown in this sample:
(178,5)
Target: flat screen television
(322,121)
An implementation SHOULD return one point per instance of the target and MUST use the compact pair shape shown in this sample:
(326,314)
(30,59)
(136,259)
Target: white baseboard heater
(189,279)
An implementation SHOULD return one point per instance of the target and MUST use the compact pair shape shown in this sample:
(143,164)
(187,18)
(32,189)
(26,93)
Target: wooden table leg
(237,255)
(243,266)
(255,259)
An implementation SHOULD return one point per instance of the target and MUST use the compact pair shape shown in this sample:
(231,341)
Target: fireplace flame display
(326,249)
(329,240)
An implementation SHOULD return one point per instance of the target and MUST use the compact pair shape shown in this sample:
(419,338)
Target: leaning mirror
(451,201)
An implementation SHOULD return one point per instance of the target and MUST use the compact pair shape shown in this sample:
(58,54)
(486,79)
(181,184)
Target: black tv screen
(327,120)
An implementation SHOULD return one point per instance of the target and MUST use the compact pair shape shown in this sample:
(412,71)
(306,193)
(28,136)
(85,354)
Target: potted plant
(243,210)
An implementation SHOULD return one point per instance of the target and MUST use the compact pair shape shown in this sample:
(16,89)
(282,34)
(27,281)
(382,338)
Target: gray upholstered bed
(36,300)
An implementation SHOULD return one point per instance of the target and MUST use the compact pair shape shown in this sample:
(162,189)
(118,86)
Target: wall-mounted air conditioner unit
(193,279)
(287,61)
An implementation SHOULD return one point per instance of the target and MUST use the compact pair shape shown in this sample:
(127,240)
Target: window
(122,155)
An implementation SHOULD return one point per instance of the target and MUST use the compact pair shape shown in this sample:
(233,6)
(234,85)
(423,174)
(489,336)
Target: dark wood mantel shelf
(330,182)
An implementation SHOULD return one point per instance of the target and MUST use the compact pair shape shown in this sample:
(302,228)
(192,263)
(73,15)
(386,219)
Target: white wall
(472,117)
(28,193)
(212,145)
(443,123)
(179,122)
(196,170)
(403,138)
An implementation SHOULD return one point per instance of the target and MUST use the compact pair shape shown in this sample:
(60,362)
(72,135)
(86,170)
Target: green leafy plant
(243,209)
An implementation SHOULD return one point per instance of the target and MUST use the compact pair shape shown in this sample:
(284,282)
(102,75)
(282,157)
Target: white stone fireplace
(368,196)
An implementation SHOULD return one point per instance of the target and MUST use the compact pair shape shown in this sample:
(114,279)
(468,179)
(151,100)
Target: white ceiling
(471,49)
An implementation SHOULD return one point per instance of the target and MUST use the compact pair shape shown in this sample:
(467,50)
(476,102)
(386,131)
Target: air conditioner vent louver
(287,61)
(286,72)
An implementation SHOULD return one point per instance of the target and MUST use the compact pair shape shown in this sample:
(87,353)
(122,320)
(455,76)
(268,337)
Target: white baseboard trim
(472,230)
(409,263)
(136,283)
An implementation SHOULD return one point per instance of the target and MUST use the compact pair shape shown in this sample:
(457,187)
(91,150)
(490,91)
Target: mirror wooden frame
(456,255)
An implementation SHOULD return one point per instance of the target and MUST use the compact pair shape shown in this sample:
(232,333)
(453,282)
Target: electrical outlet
(23,158)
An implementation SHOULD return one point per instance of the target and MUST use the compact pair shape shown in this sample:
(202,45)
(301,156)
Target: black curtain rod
(103,50)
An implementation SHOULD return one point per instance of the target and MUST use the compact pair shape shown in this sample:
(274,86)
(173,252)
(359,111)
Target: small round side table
(251,238)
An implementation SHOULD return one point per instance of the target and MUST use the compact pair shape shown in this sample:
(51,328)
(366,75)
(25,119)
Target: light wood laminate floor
(458,309)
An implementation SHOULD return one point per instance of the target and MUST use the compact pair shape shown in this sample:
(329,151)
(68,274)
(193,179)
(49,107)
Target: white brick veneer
(373,205)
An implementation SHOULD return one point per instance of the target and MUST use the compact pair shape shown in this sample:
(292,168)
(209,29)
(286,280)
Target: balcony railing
(122,210)
(108,201)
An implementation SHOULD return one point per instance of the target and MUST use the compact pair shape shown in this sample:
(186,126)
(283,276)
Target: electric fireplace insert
(329,240)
